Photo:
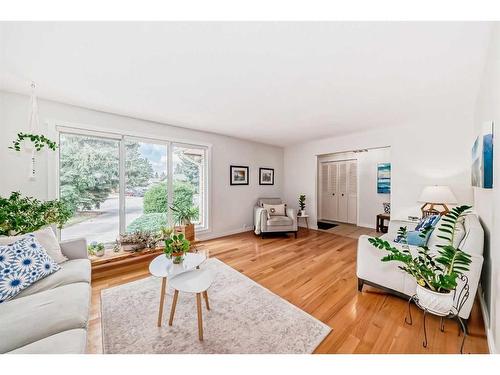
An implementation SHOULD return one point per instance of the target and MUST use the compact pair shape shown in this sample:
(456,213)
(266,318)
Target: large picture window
(120,184)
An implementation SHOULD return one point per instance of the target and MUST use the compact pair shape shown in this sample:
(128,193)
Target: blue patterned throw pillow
(23,263)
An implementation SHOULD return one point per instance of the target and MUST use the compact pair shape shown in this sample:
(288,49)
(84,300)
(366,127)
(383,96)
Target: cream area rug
(244,317)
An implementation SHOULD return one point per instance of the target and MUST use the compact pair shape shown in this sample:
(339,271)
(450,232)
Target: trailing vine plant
(39,141)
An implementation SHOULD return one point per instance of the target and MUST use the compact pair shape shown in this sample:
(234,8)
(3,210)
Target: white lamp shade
(437,194)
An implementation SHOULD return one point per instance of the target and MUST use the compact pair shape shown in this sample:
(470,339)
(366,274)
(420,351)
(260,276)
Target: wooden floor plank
(317,273)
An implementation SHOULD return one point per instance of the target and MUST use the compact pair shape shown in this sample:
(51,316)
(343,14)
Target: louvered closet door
(352,192)
(342,192)
(325,191)
(333,198)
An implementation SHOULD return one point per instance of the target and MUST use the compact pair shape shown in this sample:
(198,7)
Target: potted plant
(20,215)
(96,248)
(175,247)
(302,204)
(436,275)
(183,215)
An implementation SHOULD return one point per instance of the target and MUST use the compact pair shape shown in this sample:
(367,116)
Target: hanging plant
(39,141)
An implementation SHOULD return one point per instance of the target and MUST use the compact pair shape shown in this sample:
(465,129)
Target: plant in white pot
(302,204)
(436,274)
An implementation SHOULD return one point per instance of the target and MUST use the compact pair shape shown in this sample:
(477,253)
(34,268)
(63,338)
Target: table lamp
(437,195)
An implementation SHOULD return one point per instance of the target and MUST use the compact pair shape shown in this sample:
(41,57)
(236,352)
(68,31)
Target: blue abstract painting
(384,178)
(482,158)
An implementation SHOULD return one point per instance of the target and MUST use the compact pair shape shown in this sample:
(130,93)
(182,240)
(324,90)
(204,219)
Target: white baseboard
(211,236)
(486,319)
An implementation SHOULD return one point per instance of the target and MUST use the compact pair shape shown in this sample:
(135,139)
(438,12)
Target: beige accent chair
(275,224)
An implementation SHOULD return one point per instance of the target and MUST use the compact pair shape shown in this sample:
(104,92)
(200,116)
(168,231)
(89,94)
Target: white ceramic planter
(437,303)
(302,212)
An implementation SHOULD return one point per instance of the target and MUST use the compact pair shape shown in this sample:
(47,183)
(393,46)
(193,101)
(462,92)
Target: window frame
(56,128)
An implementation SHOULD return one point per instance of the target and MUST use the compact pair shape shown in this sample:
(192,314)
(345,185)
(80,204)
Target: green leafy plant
(439,272)
(148,222)
(302,202)
(39,141)
(176,245)
(94,248)
(20,215)
(184,214)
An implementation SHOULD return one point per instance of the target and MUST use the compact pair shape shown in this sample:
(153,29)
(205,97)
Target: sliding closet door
(329,203)
(342,192)
(333,198)
(339,191)
(352,192)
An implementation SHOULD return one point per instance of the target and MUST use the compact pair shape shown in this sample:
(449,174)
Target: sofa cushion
(73,341)
(22,264)
(46,238)
(72,271)
(35,317)
(434,241)
(279,220)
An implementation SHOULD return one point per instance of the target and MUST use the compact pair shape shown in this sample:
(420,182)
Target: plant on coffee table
(436,275)
(175,247)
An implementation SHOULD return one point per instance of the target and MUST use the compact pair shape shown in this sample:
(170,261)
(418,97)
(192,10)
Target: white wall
(231,205)
(487,201)
(422,153)
(369,201)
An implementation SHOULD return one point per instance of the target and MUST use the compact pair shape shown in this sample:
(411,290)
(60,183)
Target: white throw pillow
(274,209)
(46,238)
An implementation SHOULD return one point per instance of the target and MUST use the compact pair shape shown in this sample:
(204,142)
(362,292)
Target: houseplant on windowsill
(302,204)
(175,247)
(184,216)
(436,275)
(95,248)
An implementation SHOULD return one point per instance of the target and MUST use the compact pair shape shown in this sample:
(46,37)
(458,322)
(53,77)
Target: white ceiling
(277,83)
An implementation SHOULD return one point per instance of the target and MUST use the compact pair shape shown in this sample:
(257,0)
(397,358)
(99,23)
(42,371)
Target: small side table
(304,217)
(381,218)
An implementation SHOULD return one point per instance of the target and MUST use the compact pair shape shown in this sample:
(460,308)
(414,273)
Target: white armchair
(275,224)
(386,275)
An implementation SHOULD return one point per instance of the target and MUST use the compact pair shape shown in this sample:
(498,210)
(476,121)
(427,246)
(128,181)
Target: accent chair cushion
(46,238)
(275,210)
(22,264)
(279,221)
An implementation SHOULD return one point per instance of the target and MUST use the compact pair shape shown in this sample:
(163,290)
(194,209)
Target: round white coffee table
(163,267)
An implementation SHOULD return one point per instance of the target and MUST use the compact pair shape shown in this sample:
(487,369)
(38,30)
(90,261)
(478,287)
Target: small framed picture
(238,175)
(266,176)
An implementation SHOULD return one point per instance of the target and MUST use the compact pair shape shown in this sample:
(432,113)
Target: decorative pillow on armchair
(23,263)
(275,209)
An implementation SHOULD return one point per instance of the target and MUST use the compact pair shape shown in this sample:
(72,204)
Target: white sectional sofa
(372,271)
(51,316)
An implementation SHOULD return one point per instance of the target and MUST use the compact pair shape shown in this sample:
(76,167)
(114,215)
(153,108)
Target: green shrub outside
(156,200)
(155,205)
(148,222)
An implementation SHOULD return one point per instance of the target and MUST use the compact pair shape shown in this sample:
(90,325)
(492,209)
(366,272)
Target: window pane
(145,186)
(89,183)
(189,180)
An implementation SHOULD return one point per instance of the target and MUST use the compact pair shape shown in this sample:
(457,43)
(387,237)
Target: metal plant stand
(453,314)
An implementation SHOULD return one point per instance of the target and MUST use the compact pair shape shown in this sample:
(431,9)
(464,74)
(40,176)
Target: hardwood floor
(317,273)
